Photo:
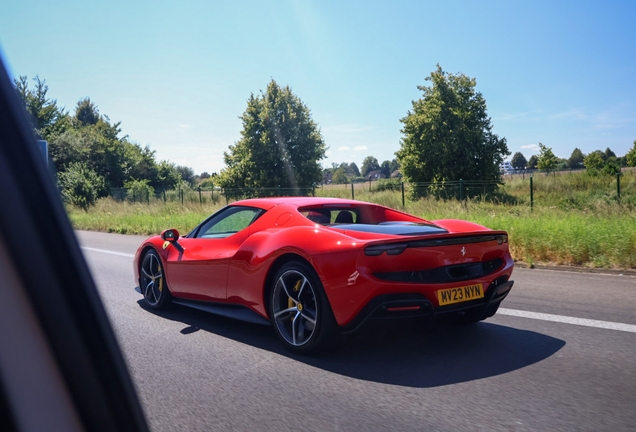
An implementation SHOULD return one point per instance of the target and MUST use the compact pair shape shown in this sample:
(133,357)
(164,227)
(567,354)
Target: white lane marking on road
(568,320)
(502,311)
(108,252)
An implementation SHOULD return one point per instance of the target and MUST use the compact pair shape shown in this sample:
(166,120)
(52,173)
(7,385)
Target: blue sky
(177,74)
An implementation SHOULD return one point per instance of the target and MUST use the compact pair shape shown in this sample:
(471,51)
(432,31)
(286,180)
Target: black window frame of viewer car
(69,320)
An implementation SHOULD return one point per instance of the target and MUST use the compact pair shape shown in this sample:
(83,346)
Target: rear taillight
(390,249)
(501,239)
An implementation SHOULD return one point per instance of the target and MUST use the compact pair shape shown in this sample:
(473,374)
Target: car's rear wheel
(152,281)
(299,310)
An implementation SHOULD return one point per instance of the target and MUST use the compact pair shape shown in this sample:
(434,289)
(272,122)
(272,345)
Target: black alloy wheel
(299,310)
(152,281)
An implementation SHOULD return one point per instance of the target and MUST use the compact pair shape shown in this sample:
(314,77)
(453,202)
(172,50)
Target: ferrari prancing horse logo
(463,251)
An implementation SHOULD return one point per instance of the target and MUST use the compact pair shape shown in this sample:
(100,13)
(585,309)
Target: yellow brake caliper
(290,302)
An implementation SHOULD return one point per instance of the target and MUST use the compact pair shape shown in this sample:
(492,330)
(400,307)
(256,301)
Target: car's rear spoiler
(397,246)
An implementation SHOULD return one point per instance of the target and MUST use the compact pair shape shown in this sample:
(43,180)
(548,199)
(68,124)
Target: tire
(299,309)
(152,281)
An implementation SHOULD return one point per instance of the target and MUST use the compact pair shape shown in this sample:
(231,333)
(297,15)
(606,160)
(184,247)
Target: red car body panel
(235,269)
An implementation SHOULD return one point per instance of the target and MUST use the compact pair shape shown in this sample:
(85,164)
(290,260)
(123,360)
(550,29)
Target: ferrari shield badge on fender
(166,244)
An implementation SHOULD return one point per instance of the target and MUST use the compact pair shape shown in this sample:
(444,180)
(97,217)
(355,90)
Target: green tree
(532,162)
(562,163)
(280,145)
(207,183)
(385,169)
(448,135)
(339,176)
(69,147)
(100,149)
(622,160)
(576,159)
(89,139)
(81,186)
(631,156)
(594,161)
(47,119)
(369,164)
(612,166)
(139,163)
(547,160)
(86,113)
(107,152)
(519,161)
(607,154)
(395,166)
(187,173)
(353,168)
(346,169)
(167,176)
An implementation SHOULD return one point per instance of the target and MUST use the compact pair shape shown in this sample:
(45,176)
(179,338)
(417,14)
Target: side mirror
(171,235)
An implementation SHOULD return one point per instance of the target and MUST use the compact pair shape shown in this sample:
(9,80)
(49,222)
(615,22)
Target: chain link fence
(525,189)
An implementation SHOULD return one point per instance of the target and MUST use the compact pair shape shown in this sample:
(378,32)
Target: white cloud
(530,147)
(360,148)
(185,126)
(343,148)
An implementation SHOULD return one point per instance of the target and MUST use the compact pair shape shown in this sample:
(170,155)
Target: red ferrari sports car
(316,267)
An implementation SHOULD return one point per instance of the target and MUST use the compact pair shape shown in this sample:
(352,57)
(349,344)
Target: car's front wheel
(152,281)
(299,310)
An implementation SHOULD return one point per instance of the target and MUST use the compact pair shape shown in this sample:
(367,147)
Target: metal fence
(525,191)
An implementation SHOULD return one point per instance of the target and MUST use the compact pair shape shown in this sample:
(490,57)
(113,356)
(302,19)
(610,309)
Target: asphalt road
(196,371)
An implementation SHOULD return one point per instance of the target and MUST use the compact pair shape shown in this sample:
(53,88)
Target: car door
(198,269)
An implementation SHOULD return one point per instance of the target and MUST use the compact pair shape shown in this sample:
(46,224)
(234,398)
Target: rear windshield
(396,228)
(369,218)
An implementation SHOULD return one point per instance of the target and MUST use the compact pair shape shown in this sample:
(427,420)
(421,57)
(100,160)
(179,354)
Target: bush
(388,184)
(139,190)
(611,167)
(208,183)
(81,186)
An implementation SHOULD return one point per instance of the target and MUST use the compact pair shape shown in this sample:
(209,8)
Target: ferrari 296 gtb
(317,267)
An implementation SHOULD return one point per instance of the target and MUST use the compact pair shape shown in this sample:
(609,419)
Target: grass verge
(601,236)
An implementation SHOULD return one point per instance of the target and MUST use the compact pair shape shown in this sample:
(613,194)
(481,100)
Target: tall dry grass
(126,217)
(576,219)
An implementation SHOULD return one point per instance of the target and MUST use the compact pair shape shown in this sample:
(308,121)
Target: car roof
(268,203)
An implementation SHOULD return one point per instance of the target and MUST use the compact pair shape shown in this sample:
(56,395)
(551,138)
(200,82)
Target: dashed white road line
(502,311)
(108,252)
(568,320)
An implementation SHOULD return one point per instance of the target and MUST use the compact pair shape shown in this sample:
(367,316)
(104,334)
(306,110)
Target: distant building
(506,168)
(373,175)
